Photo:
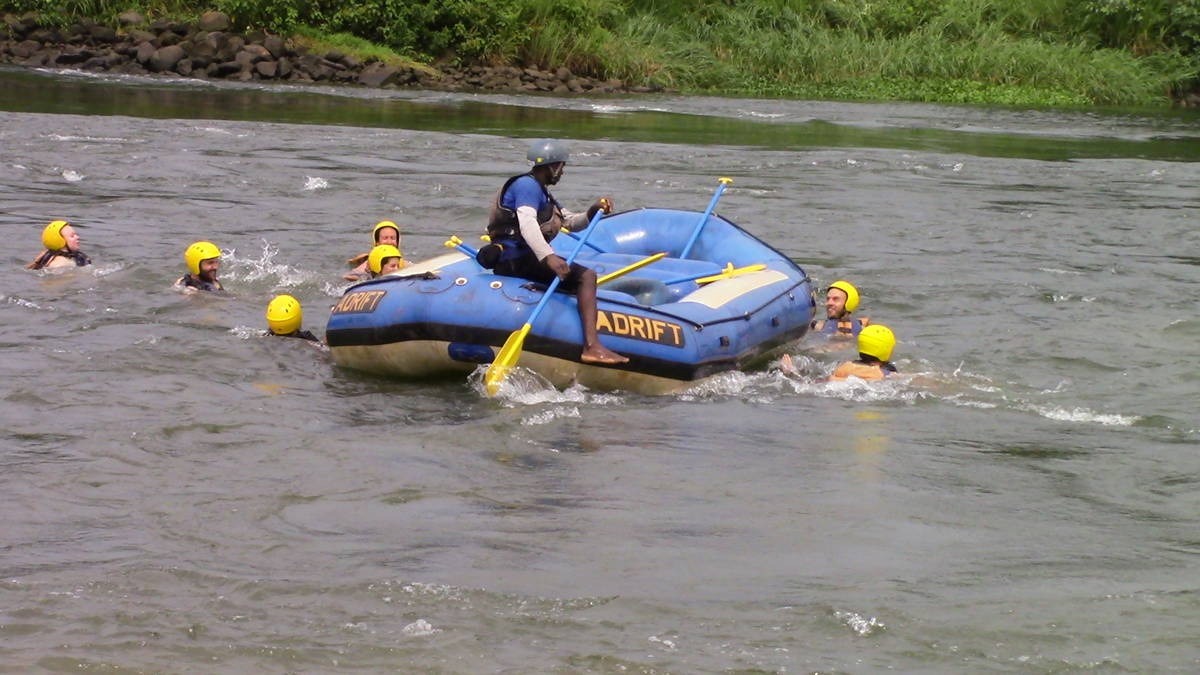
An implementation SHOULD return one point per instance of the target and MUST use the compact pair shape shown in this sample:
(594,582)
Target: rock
(213,21)
(258,51)
(224,69)
(70,58)
(145,51)
(378,75)
(96,63)
(165,58)
(267,69)
(274,44)
(130,18)
(138,36)
(246,59)
(46,36)
(26,48)
(229,48)
(102,34)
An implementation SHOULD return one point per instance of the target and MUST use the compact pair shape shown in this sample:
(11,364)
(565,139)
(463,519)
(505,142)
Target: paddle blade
(505,360)
(728,273)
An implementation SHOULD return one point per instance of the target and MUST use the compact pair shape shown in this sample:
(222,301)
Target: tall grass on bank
(1002,51)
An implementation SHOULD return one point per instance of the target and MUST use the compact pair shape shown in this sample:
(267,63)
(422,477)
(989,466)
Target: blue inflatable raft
(731,303)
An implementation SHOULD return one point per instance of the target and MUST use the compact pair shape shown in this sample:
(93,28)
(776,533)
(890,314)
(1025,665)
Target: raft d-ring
(497,284)
(461,281)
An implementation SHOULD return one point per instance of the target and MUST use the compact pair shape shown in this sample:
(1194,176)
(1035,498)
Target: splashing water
(264,267)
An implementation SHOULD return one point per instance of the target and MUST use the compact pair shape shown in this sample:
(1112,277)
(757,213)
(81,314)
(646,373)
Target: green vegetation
(1047,52)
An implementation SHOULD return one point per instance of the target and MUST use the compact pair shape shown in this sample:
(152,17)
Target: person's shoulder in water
(61,242)
(875,345)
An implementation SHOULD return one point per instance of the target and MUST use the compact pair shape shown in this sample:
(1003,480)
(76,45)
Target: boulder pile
(209,49)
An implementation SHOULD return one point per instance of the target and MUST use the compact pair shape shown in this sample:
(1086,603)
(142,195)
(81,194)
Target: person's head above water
(60,235)
(841,298)
(284,315)
(876,341)
(386,232)
(203,259)
(383,259)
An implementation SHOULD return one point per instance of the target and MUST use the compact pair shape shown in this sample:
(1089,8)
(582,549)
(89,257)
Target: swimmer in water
(203,261)
(875,345)
(284,316)
(385,232)
(62,248)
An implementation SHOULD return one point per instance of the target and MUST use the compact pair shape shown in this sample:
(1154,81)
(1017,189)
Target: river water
(181,494)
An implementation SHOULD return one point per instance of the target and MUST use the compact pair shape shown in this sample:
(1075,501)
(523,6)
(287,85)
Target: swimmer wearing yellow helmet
(875,345)
(284,315)
(384,259)
(841,299)
(203,260)
(62,248)
(385,232)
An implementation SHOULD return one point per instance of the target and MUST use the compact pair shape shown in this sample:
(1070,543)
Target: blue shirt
(525,191)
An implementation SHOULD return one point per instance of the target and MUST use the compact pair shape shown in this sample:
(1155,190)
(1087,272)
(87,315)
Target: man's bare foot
(602,355)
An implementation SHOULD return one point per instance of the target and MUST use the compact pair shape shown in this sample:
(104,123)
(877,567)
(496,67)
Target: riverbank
(980,66)
(209,48)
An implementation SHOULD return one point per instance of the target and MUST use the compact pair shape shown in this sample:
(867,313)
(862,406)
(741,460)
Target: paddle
(730,272)
(704,218)
(631,267)
(511,351)
(455,242)
(574,236)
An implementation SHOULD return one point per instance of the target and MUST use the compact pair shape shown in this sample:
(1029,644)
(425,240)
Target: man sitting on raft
(525,217)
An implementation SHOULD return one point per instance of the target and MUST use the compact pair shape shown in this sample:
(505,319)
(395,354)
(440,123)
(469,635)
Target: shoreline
(208,49)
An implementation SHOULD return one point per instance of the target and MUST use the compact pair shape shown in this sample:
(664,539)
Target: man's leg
(593,351)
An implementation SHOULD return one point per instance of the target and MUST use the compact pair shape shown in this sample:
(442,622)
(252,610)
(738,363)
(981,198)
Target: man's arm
(532,232)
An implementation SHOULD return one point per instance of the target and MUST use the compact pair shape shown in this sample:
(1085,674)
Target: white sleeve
(532,232)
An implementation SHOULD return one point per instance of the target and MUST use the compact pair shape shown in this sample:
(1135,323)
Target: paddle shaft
(511,351)
(704,218)
(631,267)
(570,259)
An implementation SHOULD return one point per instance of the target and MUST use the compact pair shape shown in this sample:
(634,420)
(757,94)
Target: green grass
(1029,52)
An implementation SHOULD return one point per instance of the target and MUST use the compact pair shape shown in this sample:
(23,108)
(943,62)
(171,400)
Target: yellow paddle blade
(505,360)
(731,272)
(631,267)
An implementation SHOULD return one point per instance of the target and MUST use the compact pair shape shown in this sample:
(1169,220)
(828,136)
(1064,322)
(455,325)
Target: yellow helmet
(375,259)
(52,236)
(199,252)
(284,314)
(382,224)
(876,340)
(851,294)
